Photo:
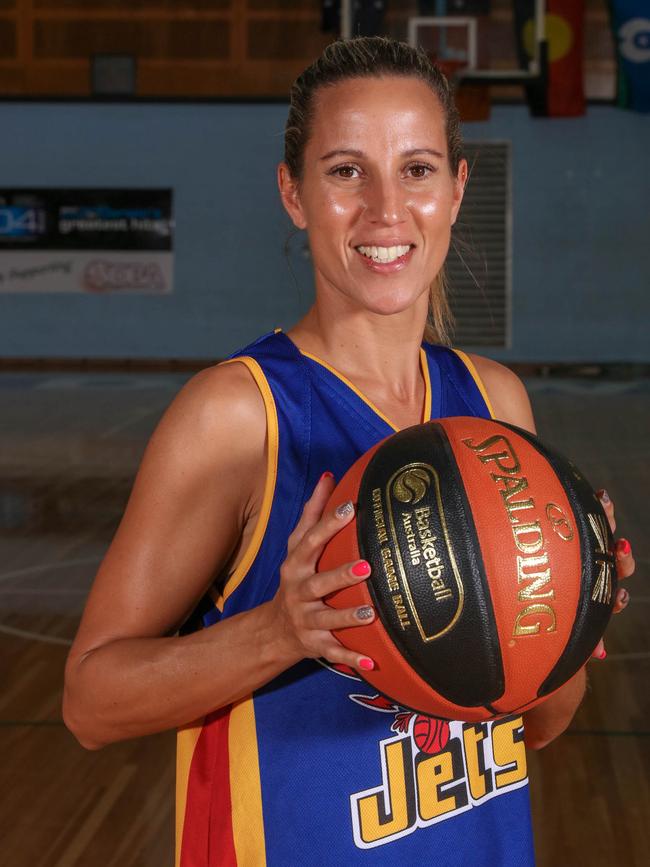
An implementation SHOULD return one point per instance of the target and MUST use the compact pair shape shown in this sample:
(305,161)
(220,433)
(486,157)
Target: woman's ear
(290,196)
(460,182)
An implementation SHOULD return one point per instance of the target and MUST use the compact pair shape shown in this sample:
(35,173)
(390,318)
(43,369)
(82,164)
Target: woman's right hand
(305,620)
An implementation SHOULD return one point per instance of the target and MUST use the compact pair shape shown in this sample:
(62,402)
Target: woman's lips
(386,267)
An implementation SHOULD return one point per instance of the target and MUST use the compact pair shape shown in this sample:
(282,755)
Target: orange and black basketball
(493,571)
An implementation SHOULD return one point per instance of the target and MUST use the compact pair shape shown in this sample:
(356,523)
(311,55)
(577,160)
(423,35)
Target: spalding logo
(411,485)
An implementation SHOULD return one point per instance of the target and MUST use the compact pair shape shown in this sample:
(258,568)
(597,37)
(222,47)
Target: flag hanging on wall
(631,25)
(561,93)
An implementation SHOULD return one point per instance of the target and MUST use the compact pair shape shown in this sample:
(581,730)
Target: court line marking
(43,567)
(136,417)
(34,636)
(42,591)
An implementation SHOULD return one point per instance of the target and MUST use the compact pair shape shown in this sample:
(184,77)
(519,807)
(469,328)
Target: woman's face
(377,197)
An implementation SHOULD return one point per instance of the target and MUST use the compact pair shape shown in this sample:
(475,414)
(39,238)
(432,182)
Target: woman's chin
(395,303)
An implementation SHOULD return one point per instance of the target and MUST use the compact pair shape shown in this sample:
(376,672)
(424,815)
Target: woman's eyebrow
(343,152)
(350,152)
(416,151)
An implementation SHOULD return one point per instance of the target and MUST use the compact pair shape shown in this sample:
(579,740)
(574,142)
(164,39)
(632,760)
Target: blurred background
(142,238)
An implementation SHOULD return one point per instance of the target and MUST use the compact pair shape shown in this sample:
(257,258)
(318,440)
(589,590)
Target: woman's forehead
(383,108)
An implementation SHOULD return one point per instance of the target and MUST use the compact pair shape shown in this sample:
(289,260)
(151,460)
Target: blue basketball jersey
(316,768)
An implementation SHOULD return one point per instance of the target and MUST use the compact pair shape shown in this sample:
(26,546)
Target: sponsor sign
(86,240)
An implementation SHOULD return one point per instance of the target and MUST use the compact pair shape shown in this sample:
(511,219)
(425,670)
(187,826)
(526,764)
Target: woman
(292,761)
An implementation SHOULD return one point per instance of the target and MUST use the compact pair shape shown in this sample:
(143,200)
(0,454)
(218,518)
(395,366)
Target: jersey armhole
(273,440)
(471,367)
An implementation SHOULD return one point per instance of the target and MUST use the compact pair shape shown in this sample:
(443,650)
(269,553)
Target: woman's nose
(385,201)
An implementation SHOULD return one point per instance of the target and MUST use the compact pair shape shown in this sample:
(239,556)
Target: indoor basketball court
(142,240)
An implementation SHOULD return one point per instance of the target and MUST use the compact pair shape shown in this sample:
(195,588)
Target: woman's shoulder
(506,391)
(217,417)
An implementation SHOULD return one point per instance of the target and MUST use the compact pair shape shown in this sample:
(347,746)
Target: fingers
(329,619)
(315,631)
(304,555)
(625,564)
(322,584)
(599,652)
(335,652)
(306,618)
(313,508)
(622,600)
(608,506)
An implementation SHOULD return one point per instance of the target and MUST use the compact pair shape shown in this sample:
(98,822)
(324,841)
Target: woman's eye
(344,171)
(420,170)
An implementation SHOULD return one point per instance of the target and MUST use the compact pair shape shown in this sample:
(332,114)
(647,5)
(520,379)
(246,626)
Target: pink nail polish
(326,475)
(603,654)
(361,569)
(623,547)
(366,663)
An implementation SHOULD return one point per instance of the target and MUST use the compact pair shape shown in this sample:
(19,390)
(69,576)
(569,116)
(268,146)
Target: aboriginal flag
(631,26)
(560,92)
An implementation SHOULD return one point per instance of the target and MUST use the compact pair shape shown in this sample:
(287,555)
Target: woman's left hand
(624,566)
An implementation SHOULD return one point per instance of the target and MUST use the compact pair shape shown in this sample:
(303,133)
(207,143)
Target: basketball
(493,574)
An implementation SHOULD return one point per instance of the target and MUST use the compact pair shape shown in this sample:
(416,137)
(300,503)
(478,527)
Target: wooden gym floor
(69,446)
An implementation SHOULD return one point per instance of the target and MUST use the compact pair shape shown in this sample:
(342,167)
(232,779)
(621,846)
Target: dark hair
(374,57)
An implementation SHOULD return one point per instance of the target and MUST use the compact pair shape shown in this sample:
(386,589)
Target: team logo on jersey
(432,769)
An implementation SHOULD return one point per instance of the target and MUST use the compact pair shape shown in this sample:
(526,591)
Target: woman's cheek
(341,205)
(429,208)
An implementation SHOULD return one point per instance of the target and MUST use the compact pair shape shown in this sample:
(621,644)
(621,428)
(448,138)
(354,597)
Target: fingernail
(366,612)
(603,654)
(624,598)
(603,496)
(361,569)
(326,475)
(366,663)
(344,510)
(623,547)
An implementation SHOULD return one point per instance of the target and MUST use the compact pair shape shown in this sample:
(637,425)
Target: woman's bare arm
(188,507)
(193,501)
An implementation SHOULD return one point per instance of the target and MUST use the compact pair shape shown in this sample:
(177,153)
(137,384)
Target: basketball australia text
(435,770)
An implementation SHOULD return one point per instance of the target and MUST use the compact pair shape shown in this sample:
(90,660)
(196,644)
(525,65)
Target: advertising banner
(631,25)
(86,240)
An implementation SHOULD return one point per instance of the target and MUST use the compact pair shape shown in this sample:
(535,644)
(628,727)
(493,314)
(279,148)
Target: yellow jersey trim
(426,411)
(273,441)
(245,786)
(424,365)
(469,364)
(186,741)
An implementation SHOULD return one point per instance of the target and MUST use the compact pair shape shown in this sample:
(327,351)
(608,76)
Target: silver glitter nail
(365,612)
(344,510)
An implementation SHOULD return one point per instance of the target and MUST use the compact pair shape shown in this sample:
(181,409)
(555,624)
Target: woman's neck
(378,354)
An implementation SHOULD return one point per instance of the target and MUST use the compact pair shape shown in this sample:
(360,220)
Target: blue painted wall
(581,231)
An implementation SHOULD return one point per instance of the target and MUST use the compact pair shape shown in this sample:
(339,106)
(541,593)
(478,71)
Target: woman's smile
(385,259)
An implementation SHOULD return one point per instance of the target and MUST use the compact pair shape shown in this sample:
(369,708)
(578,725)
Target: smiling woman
(372,148)
(207,612)
(378,182)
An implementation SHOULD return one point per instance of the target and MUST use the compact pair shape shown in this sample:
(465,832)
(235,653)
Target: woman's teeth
(384,254)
